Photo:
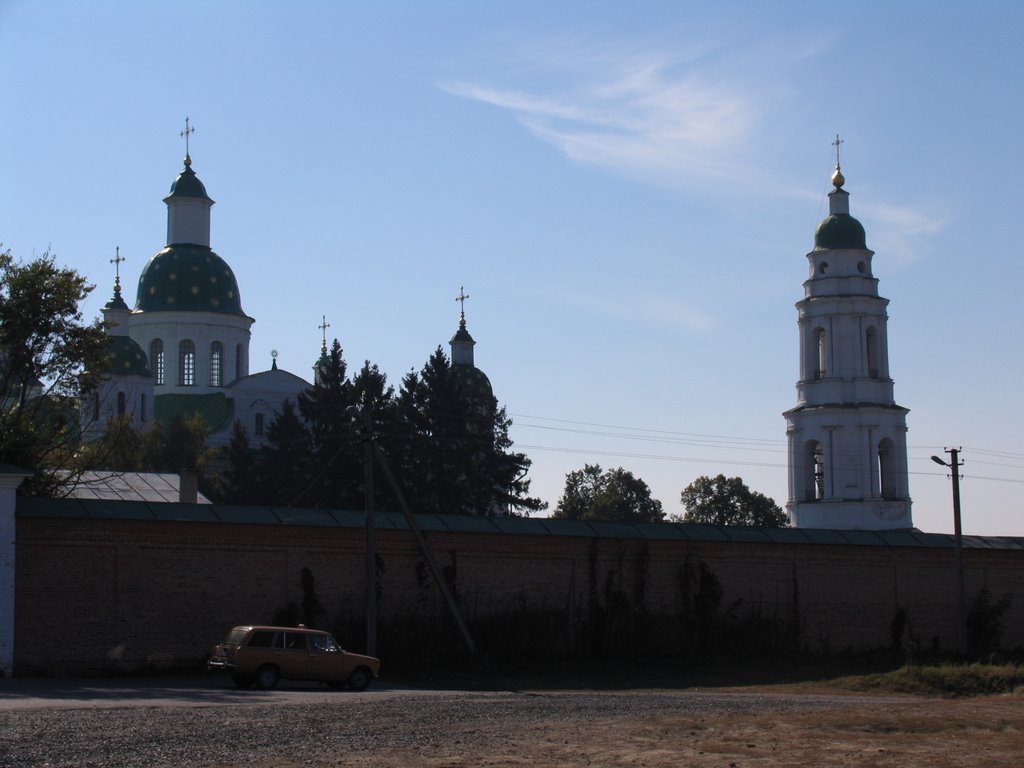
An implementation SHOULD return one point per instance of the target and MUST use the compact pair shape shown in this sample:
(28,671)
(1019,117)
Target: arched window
(887,469)
(186,364)
(216,356)
(239,371)
(821,354)
(871,345)
(814,471)
(156,356)
(121,402)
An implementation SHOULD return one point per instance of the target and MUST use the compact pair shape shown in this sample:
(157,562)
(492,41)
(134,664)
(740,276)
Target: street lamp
(954,465)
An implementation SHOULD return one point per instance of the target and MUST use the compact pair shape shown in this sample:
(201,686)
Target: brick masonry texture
(119,595)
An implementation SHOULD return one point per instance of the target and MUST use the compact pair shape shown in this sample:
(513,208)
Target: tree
(450,445)
(286,471)
(591,494)
(728,501)
(48,358)
(335,459)
(239,482)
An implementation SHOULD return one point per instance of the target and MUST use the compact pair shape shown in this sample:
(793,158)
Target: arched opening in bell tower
(814,471)
(821,354)
(887,469)
(871,348)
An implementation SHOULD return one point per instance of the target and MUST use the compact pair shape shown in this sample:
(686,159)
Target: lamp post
(954,465)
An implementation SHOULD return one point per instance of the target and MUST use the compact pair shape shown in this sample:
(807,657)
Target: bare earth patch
(918,732)
(121,725)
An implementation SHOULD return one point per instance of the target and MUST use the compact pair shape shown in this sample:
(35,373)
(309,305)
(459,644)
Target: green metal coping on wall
(104,509)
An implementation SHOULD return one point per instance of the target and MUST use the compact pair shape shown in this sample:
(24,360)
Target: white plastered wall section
(845,406)
(10,479)
(202,329)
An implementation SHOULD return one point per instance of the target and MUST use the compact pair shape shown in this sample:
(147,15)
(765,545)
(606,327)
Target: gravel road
(115,724)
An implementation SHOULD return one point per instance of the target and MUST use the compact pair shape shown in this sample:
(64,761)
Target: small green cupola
(839,230)
(472,380)
(124,356)
(188,184)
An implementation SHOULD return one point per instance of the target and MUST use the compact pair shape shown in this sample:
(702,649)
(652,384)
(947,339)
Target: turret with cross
(462,343)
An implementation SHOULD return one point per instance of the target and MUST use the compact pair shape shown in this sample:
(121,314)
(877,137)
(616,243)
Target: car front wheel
(359,679)
(267,676)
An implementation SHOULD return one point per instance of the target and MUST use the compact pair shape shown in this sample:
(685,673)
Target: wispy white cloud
(671,313)
(706,118)
(898,231)
(642,115)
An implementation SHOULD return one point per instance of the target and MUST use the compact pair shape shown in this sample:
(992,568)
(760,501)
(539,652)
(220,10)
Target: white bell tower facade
(847,436)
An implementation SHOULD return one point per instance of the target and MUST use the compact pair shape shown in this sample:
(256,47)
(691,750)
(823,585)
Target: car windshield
(235,636)
(323,642)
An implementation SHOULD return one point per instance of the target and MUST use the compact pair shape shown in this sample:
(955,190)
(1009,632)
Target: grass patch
(709,672)
(942,680)
(792,673)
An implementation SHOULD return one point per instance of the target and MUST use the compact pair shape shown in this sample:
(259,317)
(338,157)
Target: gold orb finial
(837,178)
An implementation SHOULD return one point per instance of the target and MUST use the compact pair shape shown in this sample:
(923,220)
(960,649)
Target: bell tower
(847,436)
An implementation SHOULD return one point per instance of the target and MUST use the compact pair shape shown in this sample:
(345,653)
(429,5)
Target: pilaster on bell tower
(847,436)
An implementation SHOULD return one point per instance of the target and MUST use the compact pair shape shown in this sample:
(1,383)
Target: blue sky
(627,191)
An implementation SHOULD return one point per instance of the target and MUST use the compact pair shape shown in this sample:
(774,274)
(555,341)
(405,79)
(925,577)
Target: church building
(847,436)
(184,348)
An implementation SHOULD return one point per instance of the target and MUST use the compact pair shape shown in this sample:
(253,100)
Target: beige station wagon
(264,655)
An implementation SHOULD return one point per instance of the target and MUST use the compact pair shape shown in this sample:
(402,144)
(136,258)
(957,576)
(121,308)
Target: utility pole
(954,465)
(366,415)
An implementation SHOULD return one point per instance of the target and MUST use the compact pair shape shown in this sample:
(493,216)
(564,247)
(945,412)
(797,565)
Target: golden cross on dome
(188,130)
(116,261)
(324,325)
(836,144)
(461,298)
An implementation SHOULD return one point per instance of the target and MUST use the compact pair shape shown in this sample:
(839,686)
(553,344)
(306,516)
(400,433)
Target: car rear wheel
(359,679)
(267,676)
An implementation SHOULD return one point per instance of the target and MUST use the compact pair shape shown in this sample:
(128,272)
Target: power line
(710,441)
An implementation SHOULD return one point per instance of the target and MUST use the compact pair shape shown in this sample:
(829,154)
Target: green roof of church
(189,278)
(216,409)
(188,185)
(126,357)
(839,230)
(473,381)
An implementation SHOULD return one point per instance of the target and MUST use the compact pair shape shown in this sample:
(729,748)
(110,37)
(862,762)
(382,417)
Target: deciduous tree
(592,494)
(722,500)
(48,358)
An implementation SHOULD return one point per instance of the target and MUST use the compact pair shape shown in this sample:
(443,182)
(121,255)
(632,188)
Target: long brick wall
(116,589)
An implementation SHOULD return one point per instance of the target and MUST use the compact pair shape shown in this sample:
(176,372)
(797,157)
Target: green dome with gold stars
(126,358)
(188,278)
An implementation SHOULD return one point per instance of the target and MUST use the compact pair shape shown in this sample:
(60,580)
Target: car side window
(292,641)
(261,640)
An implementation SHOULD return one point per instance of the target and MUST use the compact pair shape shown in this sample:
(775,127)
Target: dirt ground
(921,732)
